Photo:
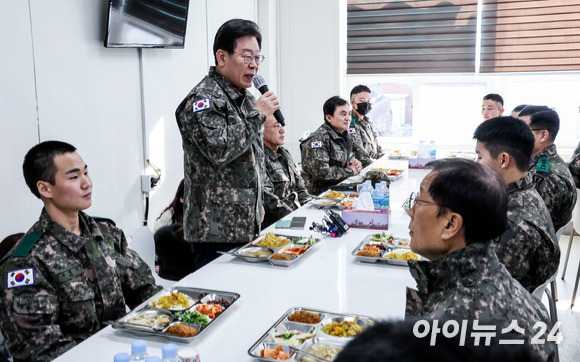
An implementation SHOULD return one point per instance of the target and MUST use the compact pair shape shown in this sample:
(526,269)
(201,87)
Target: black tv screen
(146,23)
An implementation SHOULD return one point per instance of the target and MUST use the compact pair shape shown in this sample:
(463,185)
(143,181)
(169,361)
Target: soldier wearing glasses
(284,189)
(220,124)
(550,174)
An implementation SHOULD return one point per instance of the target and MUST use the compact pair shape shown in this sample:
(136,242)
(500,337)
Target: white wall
(57,81)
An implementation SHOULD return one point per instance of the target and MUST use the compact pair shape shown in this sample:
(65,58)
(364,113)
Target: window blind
(419,36)
(530,35)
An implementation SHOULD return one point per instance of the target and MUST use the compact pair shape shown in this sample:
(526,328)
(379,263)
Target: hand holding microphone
(260,84)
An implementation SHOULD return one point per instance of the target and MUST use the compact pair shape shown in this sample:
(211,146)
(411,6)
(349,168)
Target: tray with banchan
(387,248)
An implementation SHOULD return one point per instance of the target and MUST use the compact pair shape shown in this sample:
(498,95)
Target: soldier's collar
(521,184)
(547,152)
(232,92)
(271,153)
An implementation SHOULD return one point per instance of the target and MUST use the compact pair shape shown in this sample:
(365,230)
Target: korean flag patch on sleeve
(200,105)
(316,144)
(20,278)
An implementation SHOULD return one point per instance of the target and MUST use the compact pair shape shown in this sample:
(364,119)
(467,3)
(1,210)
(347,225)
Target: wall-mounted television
(146,23)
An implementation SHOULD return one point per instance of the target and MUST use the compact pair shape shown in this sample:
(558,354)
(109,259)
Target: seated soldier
(70,274)
(327,154)
(574,166)
(361,127)
(549,172)
(491,106)
(284,189)
(464,278)
(528,247)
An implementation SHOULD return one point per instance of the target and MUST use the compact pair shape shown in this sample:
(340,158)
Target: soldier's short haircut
(529,110)
(330,105)
(494,97)
(359,89)
(510,135)
(474,191)
(39,164)
(519,108)
(548,120)
(232,30)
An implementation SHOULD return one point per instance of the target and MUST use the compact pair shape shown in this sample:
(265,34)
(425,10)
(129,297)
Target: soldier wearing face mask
(361,128)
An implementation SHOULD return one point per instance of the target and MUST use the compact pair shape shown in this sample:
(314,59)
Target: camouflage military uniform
(574,166)
(284,189)
(554,184)
(325,156)
(363,133)
(75,284)
(470,283)
(223,162)
(528,248)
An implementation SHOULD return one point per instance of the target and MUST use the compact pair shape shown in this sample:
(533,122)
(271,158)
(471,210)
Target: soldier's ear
(220,56)
(44,189)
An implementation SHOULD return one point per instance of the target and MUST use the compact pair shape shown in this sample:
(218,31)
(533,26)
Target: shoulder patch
(26,244)
(543,165)
(316,144)
(97,218)
(20,278)
(200,105)
(352,130)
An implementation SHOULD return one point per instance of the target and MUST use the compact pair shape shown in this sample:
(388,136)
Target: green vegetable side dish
(382,236)
(306,241)
(192,318)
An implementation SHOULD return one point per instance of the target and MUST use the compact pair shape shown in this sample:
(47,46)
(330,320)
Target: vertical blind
(424,36)
(530,35)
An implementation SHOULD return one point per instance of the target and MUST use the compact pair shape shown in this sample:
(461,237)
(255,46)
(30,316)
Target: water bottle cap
(138,346)
(169,350)
(122,357)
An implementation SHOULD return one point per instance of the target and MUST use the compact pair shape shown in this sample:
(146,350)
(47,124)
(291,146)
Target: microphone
(260,84)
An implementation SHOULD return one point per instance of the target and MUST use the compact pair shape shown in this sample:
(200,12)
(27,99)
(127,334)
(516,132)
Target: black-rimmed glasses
(412,201)
(248,58)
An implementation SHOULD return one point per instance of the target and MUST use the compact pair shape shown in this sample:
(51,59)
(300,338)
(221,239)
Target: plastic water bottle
(423,151)
(153,359)
(432,149)
(122,357)
(378,197)
(139,350)
(386,198)
(169,353)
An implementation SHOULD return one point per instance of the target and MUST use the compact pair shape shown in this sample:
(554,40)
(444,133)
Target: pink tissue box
(366,219)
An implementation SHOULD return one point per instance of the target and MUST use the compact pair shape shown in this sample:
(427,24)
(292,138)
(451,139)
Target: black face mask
(363,108)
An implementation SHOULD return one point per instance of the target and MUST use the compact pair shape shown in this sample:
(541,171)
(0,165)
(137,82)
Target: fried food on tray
(372,254)
(303,316)
(334,195)
(173,301)
(342,329)
(273,241)
(405,255)
(182,330)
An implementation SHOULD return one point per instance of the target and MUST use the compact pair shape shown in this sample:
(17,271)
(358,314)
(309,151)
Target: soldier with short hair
(528,248)
(361,128)
(328,153)
(70,274)
(284,189)
(574,166)
(220,124)
(550,173)
(463,279)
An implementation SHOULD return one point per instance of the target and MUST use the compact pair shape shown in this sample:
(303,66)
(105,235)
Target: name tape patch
(200,105)
(20,278)
(316,144)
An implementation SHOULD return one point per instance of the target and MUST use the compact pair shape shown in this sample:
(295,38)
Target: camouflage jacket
(471,283)
(61,289)
(554,184)
(325,156)
(363,133)
(574,166)
(528,247)
(284,189)
(223,162)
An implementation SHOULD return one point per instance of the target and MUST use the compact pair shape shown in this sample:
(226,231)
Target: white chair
(141,241)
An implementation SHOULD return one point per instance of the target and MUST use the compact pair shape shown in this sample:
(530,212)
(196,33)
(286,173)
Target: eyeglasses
(538,129)
(278,126)
(412,202)
(248,58)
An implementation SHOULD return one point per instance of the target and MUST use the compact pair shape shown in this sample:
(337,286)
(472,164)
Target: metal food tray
(390,177)
(266,340)
(295,258)
(254,243)
(322,195)
(200,296)
(388,248)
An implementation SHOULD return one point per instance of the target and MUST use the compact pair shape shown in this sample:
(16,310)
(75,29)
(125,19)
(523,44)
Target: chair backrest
(576,216)
(141,241)
(539,291)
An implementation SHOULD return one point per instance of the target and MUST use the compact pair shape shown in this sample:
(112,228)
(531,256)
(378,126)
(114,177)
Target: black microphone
(260,84)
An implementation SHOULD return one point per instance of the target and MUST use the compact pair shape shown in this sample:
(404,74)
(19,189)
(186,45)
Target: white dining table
(328,278)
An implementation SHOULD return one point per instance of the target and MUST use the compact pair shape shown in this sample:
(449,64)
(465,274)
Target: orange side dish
(277,353)
(210,310)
